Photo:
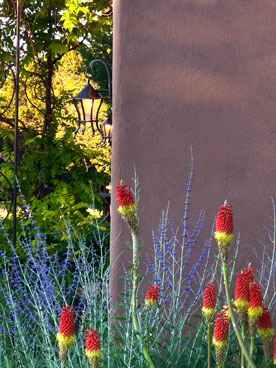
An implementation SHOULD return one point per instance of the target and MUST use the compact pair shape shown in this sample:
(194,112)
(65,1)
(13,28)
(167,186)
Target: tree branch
(70,49)
(10,122)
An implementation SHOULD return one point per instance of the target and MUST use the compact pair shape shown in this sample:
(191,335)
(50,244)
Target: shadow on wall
(202,73)
(205,70)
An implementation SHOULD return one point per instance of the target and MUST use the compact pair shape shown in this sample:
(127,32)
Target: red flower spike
(264,321)
(67,325)
(220,330)
(265,330)
(209,295)
(124,197)
(242,292)
(255,296)
(220,336)
(66,332)
(152,295)
(224,230)
(92,345)
(255,309)
(224,222)
(209,300)
(264,325)
(127,207)
(249,274)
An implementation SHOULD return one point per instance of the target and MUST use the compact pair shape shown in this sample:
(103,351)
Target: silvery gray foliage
(33,293)
(265,266)
(180,266)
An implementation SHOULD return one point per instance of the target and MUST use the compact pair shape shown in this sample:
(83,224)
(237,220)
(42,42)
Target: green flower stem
(232,316)
(209,345)
(147,337)
(147,329)
(242,356)
(135,262)
(251,346)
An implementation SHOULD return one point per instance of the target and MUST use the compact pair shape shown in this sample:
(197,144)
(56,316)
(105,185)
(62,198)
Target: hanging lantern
(88,104)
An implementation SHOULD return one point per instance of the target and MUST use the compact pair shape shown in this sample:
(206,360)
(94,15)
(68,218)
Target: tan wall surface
(200,73)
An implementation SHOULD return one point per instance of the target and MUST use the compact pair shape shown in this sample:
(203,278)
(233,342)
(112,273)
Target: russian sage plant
(36,286)
(162,327)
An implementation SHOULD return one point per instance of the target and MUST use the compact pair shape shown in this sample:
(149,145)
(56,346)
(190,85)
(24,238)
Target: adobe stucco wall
(200,73)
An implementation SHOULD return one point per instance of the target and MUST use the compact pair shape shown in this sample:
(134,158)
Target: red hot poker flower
(152,295)
(224,229)
(242,292)
(249,274)
(224,222)
(264,324)
(255,309)
(67,325)
(66,332)
(127,207)
(124,197)
(265,330)
(255,296)
(209,300)
(220,330)
(220,336)
(92,345)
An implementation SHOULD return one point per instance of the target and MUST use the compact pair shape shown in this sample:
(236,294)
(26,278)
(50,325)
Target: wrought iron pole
(18,14)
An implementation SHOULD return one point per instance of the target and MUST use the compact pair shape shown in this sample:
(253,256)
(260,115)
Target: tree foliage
(60,175)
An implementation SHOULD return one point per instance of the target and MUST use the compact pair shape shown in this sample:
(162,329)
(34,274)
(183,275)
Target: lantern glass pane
(87,106)
(97,105)
(107,130)
(91,107)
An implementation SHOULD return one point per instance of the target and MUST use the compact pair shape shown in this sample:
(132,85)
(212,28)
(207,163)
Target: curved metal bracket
(93,62)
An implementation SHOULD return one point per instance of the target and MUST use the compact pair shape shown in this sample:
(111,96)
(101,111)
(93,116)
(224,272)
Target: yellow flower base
(126,210)
(219,344)
(93,354)
(223,238)
(65,341)
(255,313)
(266,334)
(241,304)
(150,302)
(208,312)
